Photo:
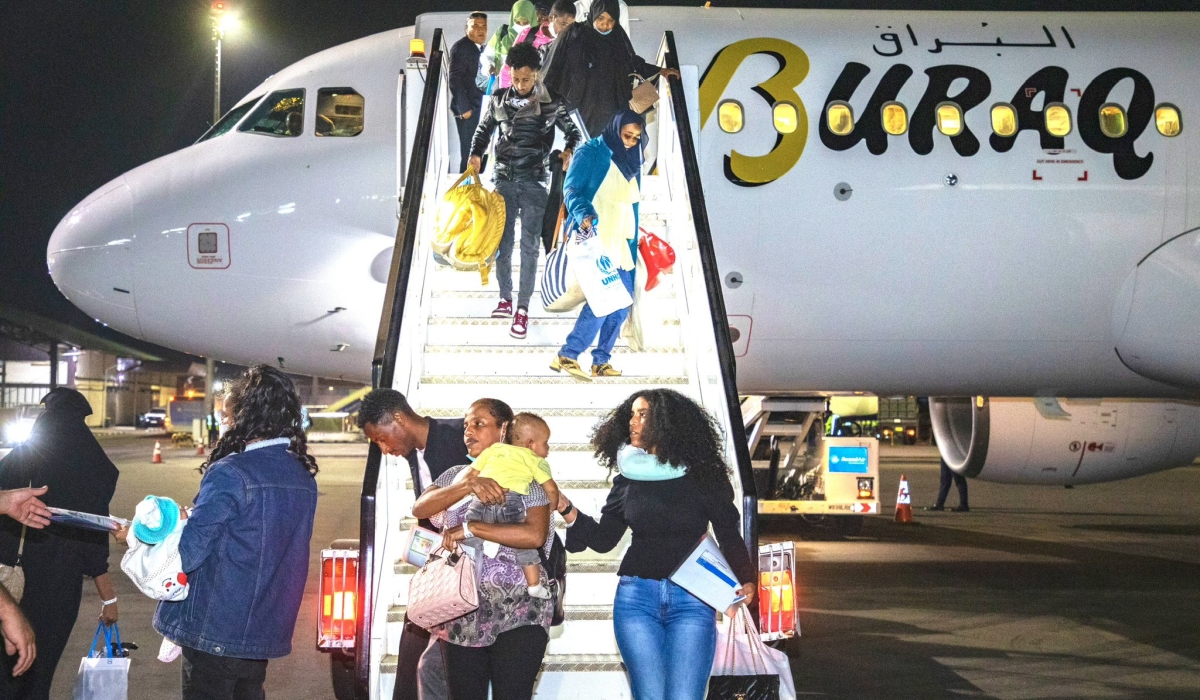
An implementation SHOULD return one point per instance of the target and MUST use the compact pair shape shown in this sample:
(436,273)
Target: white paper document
(706,575)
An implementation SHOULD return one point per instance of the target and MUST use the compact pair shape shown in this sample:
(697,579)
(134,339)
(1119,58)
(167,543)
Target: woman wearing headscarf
(590,65)
(602,190)
(62,454)
(491,61)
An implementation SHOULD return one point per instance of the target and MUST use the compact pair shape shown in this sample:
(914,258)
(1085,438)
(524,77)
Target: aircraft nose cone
(90,257)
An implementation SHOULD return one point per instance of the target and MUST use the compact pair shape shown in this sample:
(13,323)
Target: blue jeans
(588,325)
(667,639)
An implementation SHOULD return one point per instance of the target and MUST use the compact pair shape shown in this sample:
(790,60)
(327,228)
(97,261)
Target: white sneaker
(540,591)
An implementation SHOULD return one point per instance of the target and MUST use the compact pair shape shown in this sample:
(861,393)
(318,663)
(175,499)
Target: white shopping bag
(741,652)
(597,274)
(103,676)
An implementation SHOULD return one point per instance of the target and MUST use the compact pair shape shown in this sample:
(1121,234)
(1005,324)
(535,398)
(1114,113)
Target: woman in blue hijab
(602,189)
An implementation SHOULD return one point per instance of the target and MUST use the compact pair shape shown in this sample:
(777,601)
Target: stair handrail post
(716,299)
(383,367)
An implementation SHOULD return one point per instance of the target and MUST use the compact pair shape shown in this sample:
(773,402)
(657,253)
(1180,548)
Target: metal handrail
(716,302)
(383,368)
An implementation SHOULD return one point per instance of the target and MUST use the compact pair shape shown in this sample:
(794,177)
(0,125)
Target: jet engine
(1067,441)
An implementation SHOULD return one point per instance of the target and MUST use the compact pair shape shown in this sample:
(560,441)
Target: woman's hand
(587,223)
(122,535)
(485,489)
(748,590)
(108,614)
(563,504)
(566,157)
(668,72)
(452,536)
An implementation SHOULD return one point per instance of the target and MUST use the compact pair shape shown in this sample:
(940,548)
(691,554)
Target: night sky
(91,89)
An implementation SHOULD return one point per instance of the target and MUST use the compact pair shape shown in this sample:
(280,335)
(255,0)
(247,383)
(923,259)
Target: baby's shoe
(540,591)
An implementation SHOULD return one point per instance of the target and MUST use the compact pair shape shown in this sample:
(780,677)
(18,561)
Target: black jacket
(465,95)
(524,141)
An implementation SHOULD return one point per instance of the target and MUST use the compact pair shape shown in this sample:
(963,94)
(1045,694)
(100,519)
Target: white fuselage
(860,271)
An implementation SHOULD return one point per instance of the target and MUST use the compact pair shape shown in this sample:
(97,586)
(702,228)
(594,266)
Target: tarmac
(1038,592)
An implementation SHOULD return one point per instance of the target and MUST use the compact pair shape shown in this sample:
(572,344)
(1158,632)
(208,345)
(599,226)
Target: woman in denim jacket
(245,547)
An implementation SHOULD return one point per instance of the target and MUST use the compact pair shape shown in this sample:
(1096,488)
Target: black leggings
(511,665)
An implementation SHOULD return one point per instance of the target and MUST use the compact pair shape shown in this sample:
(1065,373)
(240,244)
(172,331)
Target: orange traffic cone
(157,453)
(200,449)
(903,502)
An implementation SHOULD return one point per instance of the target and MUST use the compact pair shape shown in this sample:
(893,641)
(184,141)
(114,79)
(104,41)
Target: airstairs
(439,346)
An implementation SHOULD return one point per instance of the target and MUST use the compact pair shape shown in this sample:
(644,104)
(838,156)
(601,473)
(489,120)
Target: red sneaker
(520,324)
(503,309)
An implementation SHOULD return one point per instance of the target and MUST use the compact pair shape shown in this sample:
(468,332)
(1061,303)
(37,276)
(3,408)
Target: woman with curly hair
(673,484)
(245,547)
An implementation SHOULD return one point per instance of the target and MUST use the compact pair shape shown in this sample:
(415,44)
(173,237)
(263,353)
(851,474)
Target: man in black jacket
(465,94)
(431,447)
(526,114)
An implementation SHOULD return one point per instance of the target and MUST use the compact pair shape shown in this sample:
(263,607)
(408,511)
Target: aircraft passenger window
(281,114)
(1112,121)
(840,118)
(339,112)
(786,118)
(1004,119)
(1058,119)
(895,118)
(230,120)
(1166,118)
(949,119)
(729,116)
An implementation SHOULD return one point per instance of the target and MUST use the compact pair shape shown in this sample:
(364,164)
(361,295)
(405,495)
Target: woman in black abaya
(61,453)
(590,65)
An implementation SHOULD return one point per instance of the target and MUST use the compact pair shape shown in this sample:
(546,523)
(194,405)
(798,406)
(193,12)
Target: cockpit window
(230,120)
(339,112)
(281,114)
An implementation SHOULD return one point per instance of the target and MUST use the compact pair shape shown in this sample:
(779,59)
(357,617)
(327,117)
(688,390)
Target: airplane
(943,204)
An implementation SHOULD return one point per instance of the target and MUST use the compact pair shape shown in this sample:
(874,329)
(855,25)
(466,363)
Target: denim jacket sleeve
(222,495)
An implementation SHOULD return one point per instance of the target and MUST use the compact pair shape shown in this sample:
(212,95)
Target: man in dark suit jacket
(465,94)
(431,447)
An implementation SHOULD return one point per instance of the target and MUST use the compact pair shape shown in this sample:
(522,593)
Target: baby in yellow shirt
(514,467)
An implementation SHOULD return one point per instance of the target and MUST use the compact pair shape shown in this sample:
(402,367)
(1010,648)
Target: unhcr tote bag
(103,675)
(596,273)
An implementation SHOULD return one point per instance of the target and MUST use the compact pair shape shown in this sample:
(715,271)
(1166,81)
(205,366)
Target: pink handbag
(443,590)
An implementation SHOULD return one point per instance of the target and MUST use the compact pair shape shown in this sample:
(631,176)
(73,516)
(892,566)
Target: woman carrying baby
(502,643)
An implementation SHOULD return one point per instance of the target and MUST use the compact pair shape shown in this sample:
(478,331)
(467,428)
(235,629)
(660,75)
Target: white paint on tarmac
(860,552)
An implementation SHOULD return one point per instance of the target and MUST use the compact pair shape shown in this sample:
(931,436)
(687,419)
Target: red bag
(659,257)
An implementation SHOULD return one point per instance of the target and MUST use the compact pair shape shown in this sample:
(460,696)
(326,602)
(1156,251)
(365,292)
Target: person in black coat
(61,453)
(589,64)
(431,447)
(465,94)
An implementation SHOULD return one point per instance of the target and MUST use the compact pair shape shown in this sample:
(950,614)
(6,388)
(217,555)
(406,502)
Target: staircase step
(575,637)
(550,333)
(534,361)
(478,303)
(519,392)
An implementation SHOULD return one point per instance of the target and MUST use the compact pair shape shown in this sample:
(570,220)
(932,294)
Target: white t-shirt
(423,470)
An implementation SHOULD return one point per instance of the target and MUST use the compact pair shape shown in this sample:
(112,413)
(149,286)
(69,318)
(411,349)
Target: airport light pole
(222,21)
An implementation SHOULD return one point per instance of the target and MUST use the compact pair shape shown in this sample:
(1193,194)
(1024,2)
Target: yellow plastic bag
(469,225)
